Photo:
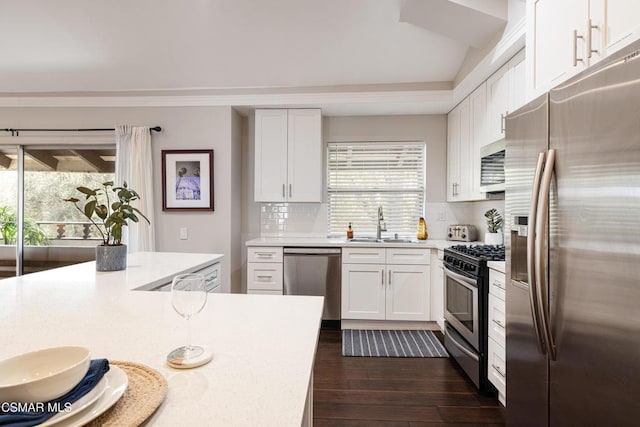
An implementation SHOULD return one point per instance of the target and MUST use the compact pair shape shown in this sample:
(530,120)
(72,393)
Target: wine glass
(188,297)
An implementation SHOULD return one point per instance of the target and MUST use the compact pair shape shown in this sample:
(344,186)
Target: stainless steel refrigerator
(573,251)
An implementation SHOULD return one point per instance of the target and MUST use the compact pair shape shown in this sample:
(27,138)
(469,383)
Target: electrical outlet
(442,216)
(184,235)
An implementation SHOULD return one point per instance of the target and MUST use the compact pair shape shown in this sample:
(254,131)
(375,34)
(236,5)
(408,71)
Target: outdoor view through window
(54,233)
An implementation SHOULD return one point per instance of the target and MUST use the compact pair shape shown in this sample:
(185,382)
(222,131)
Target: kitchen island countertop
(263,346)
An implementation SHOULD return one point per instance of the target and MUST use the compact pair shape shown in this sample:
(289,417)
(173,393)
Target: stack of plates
(107,392)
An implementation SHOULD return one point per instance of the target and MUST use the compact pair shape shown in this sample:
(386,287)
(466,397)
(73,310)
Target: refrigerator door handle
(540,243)
(531,254)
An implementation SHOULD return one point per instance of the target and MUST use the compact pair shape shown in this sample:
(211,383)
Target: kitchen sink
(374,240)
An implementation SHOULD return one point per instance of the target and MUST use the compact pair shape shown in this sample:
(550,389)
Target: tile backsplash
(310,219)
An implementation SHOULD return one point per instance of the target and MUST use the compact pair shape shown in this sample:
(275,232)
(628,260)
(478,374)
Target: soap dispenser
(349,232)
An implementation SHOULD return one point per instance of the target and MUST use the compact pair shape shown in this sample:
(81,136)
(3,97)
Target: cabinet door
(478,137)
(453,153)
(556,52)
(304,156)
(363,293)
(271,155)
(517,82)
(622,24)
(464,187)
(497,103)
(408,292)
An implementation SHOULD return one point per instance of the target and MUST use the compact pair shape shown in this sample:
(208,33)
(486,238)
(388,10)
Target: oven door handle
(459,277)
(462,349)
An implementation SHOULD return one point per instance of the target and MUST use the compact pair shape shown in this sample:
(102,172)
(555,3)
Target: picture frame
(187,180)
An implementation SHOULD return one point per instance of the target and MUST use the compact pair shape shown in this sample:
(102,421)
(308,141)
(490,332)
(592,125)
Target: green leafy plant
(112,216)
(494,220)
(33,234)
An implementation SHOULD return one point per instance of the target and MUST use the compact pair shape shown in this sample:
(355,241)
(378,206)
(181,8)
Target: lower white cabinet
(264,270)
(496,365)
(382,291)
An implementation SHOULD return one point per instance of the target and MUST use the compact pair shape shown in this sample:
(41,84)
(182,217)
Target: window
(364,175)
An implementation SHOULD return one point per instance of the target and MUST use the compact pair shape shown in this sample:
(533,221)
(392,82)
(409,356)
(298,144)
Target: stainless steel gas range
(466,300)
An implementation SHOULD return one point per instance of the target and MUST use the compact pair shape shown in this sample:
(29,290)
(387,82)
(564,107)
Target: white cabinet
(288,155)
(478,138)
(398,288)
(506,90)
(264,270)
(458,153)
(563,38)
(496,366)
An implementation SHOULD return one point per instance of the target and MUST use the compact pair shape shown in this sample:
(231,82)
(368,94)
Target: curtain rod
(16,132)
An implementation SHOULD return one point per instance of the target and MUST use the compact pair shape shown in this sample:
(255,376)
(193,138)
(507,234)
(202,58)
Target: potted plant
(113,214)
(493,236)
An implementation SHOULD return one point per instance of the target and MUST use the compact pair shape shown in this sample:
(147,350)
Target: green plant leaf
(102,211)
(87,191)
(72,199)
(108,183)
(89,208)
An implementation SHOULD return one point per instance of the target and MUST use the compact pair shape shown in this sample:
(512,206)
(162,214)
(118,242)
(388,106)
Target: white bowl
(42,375)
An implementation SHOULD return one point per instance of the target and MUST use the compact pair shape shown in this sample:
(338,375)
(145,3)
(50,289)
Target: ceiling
(167,46)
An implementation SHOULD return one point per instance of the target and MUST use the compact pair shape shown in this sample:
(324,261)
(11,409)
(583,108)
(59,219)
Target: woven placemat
(146,390)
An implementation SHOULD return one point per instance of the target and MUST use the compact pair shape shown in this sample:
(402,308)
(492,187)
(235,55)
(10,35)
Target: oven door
(461,306)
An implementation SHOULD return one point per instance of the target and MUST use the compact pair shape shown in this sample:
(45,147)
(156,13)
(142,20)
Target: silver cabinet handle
(263,277)
(499,285)
(540,244)
(283,193)
(575,48)
(590,28)
(503,122)
(531,239)
(498,370)
(389,278)
(290,190)
(265,254)
(497,322)
(382,277)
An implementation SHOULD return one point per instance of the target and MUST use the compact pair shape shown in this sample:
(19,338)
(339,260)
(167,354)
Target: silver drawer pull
(498,370)
(498,284)
(270,254)
(497,322)
(264,277)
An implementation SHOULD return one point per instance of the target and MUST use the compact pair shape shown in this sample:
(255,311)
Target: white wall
(217,128)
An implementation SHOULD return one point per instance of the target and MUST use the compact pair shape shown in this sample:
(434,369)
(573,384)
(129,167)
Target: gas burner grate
(487,252)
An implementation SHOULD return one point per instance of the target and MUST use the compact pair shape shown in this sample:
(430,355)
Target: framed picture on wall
(187,180)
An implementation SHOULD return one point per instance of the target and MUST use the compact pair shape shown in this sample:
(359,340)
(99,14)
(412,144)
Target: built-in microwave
(492,167)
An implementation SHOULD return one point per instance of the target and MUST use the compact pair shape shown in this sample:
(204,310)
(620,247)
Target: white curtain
(134,165)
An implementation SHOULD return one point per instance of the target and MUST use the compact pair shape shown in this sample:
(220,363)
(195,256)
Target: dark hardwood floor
(407,392)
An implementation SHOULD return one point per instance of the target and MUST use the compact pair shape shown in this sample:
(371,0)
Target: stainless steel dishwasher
(315,271)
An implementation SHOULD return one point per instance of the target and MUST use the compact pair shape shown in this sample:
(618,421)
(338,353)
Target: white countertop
(343,242)
(263,345)
(497,265)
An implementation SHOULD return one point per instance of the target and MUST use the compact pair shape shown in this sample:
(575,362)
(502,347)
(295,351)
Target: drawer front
(496,283)
(264,254)
(363,255)
(408,256)
(263,292)
(264,276)
(496,366)
(497,319)
(211,273)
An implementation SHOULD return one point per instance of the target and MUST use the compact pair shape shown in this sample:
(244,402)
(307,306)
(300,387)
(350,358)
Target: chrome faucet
(382,226)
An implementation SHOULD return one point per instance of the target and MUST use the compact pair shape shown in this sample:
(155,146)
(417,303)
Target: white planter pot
(493,238)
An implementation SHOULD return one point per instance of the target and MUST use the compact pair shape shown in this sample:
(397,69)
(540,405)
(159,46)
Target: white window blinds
(364,175)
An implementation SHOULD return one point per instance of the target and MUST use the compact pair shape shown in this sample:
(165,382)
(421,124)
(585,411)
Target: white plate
(77,406)
(116,387)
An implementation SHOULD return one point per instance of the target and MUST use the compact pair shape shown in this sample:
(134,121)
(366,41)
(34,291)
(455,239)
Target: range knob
(450,235)
(464,236)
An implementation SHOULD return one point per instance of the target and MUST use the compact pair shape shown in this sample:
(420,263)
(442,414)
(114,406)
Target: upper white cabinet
(563,38)
(288,155)
(458,153)
(506,92)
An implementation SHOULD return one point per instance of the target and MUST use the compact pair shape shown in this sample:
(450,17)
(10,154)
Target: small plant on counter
(494,220)
(112,216)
